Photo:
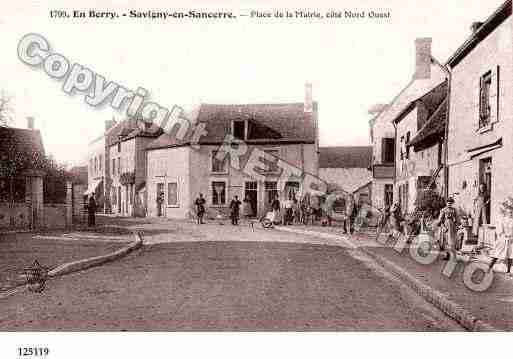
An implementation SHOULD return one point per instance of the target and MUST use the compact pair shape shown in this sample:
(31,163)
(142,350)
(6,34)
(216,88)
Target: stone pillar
(69,204)
(35,186)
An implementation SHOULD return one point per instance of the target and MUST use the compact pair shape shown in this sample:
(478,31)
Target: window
(239,129)
(218,193)
(389,195)
(272,161)
(271,190)
(172,194)
(387,149)
(95,164)
(119,165)
(113,166)
(406,144)
(292,190)
(119,146)
(100,163)
(485,85)
(219,165)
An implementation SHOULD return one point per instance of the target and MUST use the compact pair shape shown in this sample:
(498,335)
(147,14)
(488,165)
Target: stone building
(419,147)
(98,169)
(480,137)
(126,143)
(427,76)
(256,151)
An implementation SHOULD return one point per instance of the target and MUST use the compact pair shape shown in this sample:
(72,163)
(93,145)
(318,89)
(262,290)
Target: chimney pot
(308,105)
(423,58)
(30,123)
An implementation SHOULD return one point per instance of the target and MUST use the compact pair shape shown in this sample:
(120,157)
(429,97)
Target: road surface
(247,285)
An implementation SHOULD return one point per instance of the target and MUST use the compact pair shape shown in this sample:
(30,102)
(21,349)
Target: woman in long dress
(503,248)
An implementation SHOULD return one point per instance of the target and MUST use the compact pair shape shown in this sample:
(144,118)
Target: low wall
(15,215)
(55,215)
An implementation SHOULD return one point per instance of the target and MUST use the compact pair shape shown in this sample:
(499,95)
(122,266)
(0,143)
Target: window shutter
(477,105)
(383,150)
(494,95)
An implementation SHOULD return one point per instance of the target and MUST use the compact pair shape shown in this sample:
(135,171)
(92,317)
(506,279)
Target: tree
(6,108)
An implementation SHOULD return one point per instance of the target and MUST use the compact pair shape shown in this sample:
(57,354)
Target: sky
(352,64)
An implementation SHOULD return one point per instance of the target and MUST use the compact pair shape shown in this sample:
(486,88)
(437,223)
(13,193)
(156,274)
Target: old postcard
(241,166)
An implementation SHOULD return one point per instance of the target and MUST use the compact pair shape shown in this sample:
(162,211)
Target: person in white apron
(503,248)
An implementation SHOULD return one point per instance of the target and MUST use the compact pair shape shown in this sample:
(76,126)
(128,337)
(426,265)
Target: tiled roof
(346,179)
(276,123)
(21,141)
(345,157)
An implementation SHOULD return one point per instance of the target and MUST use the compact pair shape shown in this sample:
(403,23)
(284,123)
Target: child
(503,248)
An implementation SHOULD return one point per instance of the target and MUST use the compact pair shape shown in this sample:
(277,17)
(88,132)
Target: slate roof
(431,100)
(345,157)
(20,140)
(274,123)
(130,128)
(433,129)
(490,24)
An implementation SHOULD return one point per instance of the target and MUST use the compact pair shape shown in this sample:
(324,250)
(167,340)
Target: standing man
(448,223)
(200,208)
(348,222)
(235,210)
(480,216)
(288,211)
(91,211)
(275,206)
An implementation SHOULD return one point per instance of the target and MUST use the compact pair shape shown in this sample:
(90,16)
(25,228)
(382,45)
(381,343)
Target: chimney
(308,106)
(30,123)
(476,25)
(423,58)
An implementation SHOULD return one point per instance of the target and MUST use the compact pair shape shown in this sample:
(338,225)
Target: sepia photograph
(273,168)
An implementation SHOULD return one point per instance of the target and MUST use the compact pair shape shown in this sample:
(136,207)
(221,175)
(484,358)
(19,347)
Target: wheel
(266,223)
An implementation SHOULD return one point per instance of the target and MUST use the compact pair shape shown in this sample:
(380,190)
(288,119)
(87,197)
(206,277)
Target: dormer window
(239,129)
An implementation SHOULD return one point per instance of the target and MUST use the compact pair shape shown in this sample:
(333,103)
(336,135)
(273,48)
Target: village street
(222,277)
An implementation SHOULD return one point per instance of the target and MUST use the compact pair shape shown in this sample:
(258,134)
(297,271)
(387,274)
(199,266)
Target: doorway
(485,176)
(251,193)
(160,199)
(119,199)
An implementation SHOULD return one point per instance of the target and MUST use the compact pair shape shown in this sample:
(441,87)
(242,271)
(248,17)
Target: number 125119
(33,352)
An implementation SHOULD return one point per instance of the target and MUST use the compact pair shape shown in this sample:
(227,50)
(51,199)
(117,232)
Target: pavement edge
(455,311)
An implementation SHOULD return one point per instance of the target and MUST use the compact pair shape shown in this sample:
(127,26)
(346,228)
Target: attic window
(239,129)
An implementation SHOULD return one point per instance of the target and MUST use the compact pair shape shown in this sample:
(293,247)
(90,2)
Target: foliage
(428,203)
(6,109)
(14,163)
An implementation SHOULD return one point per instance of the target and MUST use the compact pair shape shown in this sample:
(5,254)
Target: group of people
(448,224)
(235,209)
